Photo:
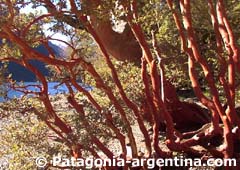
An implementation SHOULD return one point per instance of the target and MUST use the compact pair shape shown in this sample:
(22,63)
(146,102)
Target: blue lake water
(53,89)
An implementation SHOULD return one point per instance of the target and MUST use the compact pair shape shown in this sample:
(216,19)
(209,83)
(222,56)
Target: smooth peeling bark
(232,40)
(204,100)
(156,119)
(192,73)
(183,114)
(233,59)
(122,46)
(160,65)
(94,139)
(195,84)
(50,126)
(228,140)
(228,90)
(108,116)
(178,25)
(187,36)
(79,108)
(194,56)
(93,23)
(161,107)
(185,8)
(137,30)
(100,83)
(118,84)
(31,54)
(226,33)
(46,101)
(149,58)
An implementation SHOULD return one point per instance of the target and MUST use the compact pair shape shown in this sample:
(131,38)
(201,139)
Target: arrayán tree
(145,42)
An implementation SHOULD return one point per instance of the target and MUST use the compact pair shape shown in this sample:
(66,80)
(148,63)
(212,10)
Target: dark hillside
(19,73)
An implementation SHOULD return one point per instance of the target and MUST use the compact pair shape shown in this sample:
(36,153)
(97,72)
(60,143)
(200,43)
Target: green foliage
(27,137)
(155,16)
(84,47)
(128,74)
(24,137)
(32,36)
(3,86)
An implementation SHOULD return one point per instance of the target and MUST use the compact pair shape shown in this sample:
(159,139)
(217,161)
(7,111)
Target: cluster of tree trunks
(125,47)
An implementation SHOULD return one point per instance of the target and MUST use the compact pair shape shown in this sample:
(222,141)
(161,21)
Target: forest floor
(61,105)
